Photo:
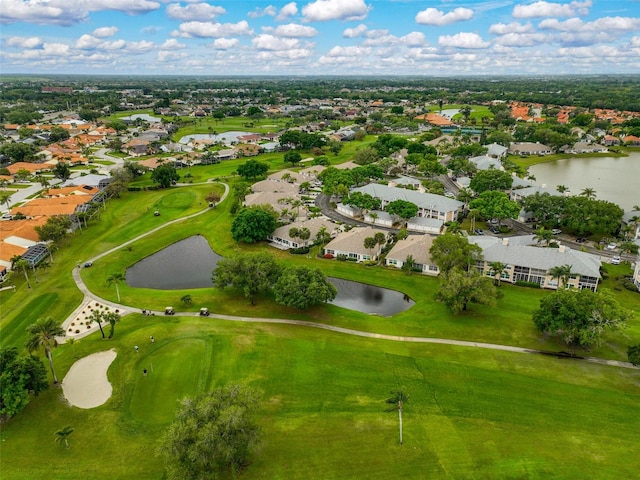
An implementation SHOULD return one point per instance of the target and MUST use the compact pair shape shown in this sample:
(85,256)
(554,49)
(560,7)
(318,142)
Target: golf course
(473,413)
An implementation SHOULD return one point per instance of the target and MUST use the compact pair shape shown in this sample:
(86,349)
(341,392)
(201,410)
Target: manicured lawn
(472,413)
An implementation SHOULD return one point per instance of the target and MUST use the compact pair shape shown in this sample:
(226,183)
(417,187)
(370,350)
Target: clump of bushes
(522,283)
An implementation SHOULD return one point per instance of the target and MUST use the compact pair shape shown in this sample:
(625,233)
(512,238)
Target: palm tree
(97,316)
(498,269)
(187,300)
(374,216)
(473,214)
(5,197)
(588,192)
(114,278)
(112,318)
(380,239)
(454,228)
(398,399)
(304,234)
(23,265)
(42,334)
(62,435)
(562,273)
(543,235)
(323,236)
(562,189)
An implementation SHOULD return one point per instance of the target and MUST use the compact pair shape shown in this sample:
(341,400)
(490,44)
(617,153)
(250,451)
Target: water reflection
(369,299)
(185,264)
(189,263)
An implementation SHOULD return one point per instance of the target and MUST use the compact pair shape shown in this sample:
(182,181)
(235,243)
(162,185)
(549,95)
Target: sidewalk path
(332,328)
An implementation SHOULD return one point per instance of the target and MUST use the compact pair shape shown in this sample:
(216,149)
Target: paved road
(90,296)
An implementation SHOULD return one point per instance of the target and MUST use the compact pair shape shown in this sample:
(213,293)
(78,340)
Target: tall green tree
(165,175)
(54,229)
(253,224)
(303,287)
(397,400)
(633,354)
(498,268)
(458,288)
(42,335)
(20,376)
(450,251)
(251,273)
(252,169)
(213,433)
(402,208)
(491,179)
(580,317)
(293,158)
(62,171)
(495,204)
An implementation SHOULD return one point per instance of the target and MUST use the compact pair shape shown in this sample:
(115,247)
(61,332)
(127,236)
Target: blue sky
(320,37)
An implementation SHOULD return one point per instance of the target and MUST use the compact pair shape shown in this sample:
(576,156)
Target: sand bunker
(86,384)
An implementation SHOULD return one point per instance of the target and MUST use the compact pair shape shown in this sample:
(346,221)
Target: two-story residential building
(429,205)
(529,148)
(532,264)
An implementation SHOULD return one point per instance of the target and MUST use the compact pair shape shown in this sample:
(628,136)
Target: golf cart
(204,312)
(169,311)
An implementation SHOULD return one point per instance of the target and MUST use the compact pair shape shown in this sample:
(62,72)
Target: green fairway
(15,333)
(472,413)
(175,369)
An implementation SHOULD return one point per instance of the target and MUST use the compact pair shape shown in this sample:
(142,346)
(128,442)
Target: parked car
(478,231)
(612,246)
(615,260)
(494,230)
(556,231)
(87,264)
(581,240)
(169,311)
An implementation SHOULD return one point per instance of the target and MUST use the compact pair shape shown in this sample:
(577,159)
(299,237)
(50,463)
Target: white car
(612,246)
(556,231)
(615,260)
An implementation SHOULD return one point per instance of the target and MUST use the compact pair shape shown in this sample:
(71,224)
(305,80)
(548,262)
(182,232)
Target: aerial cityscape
(324,239)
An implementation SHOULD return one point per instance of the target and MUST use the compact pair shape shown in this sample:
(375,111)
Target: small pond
(189,263)
(185,264)
(369,299)
(142,116)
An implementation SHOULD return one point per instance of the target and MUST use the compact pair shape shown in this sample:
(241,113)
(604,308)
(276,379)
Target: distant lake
(142,116)
(616,179)
(227,137)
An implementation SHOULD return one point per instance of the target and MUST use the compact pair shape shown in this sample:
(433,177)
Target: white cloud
(635,42)
(288,11)
(433,16)
(547,9)
(151,30)
(522,39)
(55,49)
(41,13)
(67,12)
(194,11)
(604,24)
(140,47)
(212,30)
(170,56)
(380,37)
(292,54)
(414,39)
(87,41)
(291,30)
(225,43)
(104,32)
(23,42)
(172,44)
(261,12)
(513,27)
(322,10)
(270,42)
(354,32)
(351,51)
(462,40)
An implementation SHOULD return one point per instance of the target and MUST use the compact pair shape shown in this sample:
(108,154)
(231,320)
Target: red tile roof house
(631,140)
(610,140)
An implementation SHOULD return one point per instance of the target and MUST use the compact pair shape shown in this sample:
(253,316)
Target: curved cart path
(333,328)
